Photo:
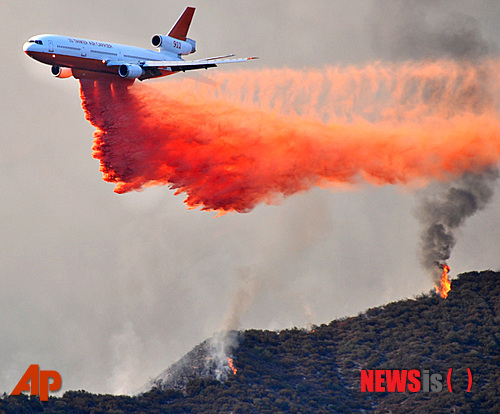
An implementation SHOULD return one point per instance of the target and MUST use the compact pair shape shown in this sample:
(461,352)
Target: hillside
(318,371)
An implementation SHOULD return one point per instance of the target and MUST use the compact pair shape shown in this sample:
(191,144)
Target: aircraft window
(69,47)
(104,53)
(38,42)
(32,41)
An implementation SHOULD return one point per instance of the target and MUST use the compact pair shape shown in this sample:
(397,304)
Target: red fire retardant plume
(253,137)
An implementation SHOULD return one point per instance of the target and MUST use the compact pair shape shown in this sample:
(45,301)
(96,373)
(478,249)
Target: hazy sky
(110,289)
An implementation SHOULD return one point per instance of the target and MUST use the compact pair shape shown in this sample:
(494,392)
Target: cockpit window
(38,42)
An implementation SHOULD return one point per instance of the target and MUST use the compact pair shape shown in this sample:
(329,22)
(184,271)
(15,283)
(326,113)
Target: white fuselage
(84,56)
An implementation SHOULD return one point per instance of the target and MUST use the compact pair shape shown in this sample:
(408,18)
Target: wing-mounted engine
(172,45)
(59,72)
(128,71)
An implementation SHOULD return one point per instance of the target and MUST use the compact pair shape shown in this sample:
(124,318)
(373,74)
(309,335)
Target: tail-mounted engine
(170,44)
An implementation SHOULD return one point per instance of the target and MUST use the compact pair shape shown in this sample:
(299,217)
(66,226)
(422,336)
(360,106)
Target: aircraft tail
(181,27)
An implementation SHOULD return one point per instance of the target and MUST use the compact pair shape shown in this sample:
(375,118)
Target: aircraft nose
(28,47)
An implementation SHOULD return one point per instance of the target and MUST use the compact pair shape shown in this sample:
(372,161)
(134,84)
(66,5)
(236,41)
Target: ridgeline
(318,370)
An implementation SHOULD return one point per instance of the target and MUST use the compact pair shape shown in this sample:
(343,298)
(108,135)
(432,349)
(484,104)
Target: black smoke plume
(444,209)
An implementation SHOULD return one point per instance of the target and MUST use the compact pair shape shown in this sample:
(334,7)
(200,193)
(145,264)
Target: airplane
(81,58)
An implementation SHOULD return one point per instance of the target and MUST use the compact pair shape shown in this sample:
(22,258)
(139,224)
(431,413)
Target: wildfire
(231,365)
(445,284)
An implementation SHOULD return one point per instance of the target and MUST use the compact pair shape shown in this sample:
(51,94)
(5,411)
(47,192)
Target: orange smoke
(445,285)
(258,136)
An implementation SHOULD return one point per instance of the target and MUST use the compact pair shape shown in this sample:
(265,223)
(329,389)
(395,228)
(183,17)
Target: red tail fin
(181,27)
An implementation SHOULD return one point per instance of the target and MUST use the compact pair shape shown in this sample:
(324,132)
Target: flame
(445,284)
(231,365)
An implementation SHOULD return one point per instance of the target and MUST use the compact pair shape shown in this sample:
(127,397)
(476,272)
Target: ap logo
(40,382)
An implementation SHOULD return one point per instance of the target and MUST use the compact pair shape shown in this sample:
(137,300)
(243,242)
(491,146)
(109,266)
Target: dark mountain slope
(318,371)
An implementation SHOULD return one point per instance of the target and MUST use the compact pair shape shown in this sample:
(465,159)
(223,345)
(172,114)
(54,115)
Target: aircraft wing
(181,65)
